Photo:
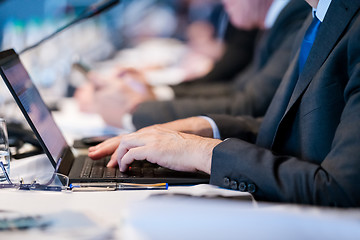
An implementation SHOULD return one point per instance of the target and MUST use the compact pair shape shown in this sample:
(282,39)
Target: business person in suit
(251,91)
(239,43)
(122,99)
(306,149)
(238,53)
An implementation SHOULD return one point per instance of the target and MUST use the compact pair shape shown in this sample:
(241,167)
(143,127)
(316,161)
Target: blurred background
(155,36)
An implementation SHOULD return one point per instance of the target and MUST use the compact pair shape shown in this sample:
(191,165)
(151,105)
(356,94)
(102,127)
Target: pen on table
(116,186)
(136,186)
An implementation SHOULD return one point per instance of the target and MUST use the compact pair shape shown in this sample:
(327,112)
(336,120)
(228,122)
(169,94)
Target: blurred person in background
(251,91)
(239,57)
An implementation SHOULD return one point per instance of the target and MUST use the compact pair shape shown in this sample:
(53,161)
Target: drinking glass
(4,149)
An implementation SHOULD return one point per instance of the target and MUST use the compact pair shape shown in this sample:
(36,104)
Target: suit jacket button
(242,187)
(226,182)
(251,188)
(234,185)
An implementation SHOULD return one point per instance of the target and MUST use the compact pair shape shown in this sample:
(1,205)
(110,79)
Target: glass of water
(4,149)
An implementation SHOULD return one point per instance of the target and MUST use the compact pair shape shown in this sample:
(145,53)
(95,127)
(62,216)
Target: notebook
(79,169)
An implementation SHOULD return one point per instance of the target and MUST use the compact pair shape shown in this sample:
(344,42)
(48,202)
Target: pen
(137,186)
(83,187)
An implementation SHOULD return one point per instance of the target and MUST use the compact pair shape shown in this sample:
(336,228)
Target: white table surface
(107,210)
(198,212)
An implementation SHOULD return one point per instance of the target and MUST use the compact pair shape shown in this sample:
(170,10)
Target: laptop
(79,169)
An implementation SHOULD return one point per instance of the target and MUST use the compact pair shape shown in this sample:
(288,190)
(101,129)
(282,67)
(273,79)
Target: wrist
(194,125)
(205,149)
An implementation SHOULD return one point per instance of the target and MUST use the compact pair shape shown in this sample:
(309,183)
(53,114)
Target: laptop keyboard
(144,169)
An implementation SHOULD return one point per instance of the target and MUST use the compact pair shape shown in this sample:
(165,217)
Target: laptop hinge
(65,163)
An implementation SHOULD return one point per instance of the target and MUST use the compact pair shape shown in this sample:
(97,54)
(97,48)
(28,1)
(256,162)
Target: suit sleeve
(155,112)
(238,54)
(241,127)
(250,95)
(269,176)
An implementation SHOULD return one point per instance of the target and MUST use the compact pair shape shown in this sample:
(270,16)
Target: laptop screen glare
(35,107)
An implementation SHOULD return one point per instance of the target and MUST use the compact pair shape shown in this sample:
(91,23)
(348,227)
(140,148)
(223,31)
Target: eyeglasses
(46,182)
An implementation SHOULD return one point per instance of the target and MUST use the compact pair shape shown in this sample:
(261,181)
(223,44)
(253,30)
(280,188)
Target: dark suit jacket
(239,51)
(251,92)
(307,148)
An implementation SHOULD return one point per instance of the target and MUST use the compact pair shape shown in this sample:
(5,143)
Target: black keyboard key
(85,173)
(148,172)
(109,172)
(137,164)
(135,171)
(147,164)
(120,174)
(97,172)
(106,160)
(165,172)
(99,163)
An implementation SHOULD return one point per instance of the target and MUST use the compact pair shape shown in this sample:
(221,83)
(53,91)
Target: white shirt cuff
(127,123)
(216,132)
(163,93)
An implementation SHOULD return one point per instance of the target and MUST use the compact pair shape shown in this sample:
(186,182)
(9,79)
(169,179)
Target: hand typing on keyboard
(158,144)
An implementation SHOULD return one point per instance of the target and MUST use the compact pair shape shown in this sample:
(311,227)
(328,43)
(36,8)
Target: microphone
(91,11)
(99,7)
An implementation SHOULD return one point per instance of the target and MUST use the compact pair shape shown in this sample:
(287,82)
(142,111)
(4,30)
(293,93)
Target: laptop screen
(34,106)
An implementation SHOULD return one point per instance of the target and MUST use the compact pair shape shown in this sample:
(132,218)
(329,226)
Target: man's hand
(114,94)
(170,149)
(105,148)
(194,125)
(121,96)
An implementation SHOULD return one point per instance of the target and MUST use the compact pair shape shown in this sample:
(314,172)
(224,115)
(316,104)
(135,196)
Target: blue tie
(308,41)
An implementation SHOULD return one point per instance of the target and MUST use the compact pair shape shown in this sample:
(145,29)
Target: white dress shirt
(322,9)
